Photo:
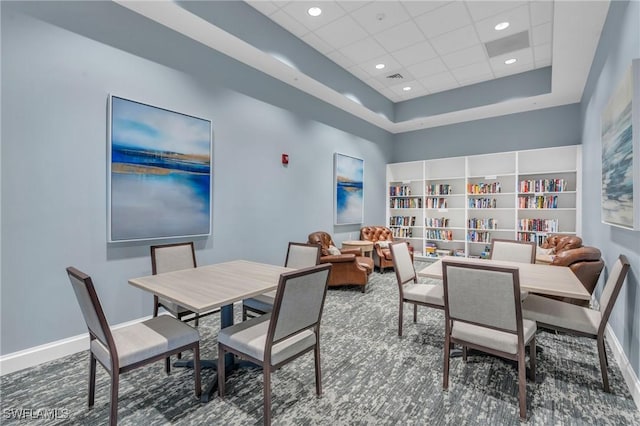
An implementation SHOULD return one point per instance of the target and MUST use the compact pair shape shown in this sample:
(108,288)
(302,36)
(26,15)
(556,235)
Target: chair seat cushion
(498,340)
(172,308)
(561,314)
(425,293)
(147,339)
(250,338)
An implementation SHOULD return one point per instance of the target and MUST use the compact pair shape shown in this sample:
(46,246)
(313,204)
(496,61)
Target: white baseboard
(629,375)
(50,351)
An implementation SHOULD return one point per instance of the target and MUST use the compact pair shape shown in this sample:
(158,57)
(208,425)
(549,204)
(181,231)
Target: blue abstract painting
(617,157)
(349,189)
(160,173)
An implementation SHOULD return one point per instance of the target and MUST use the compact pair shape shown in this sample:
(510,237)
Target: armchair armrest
(338,258)
(354,251)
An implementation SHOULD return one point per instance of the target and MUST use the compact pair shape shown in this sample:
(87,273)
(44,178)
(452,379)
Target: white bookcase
(459,204)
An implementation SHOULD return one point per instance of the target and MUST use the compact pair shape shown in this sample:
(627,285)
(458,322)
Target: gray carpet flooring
(370,376)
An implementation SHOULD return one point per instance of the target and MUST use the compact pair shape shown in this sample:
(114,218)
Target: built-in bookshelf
(457,205)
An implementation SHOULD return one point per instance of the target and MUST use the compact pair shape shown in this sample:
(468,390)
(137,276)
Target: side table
(366,247)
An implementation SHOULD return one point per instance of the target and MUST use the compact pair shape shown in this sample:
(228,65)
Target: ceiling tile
(298,11)
(375,83)
(517,18)
(467,74)
(439,82)
(379,16)
(541,12)
(427,68)
(512,69)
(350,6)
(359,72)
(415,53)
(455,40)
(370,65)
(264,7)
(542,34)
(341,32)
(398,89)
(417,8)
(317,43)
(288,23)
(544,62)
(363,50)
(483,9)
(542,52)
(400,75)
(524,61)
(466,56)
(340,59)
(444,19)
(400,36)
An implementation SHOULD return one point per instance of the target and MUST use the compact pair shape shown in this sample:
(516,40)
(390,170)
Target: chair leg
(113,413)
(400,318)
(415,313)
(445,373)
(267,394)
(155,305)
(318,370)
(196,369)
(167,365)
(244,313)
(603,364)
(221,371)
(197,321)
(464,353)
(92,379)
(532,360)
(522,385)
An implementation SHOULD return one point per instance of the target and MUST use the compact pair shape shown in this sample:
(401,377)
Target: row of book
(537,238)
(482,223)
(538,202)
(399,191)
(483,188)
(436,203)
(439,234)
(406,203)
(482,203)
(442,189)
(543,185)
(436,222)
(479,236)
(402,221)
(538,225)
(402,232)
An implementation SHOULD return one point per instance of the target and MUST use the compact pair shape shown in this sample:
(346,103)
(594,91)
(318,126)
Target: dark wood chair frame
(519,357)
(250,311)
(116,370)
(530,243)
(267,367)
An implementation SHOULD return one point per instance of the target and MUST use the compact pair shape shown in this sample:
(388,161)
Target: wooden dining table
(549,280)
(209,287)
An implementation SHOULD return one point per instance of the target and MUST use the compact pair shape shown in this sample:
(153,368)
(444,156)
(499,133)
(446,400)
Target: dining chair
(129,347)
(299,255)
(513,250)
(409,290)
(290,330)
(483,311)
(579,320)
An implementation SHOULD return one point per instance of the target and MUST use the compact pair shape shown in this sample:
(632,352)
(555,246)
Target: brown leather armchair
(585,262)
(381,253)
(349,267)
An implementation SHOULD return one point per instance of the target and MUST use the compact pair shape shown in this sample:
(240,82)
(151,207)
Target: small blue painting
(159,173)
(349,189)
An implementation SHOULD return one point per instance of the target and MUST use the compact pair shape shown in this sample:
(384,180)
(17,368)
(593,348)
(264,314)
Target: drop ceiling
(433,47)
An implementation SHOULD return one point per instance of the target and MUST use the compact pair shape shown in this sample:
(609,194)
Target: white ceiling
(563,33)
(434,45)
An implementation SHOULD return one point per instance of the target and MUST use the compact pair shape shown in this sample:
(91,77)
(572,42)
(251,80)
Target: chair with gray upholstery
(483,311)
(289,331)
(129,347)
(299,255)
(580,320)
(410,291)
(513,251)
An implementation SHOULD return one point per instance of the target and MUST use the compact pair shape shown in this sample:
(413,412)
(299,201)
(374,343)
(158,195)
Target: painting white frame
(620,152)
(348,190)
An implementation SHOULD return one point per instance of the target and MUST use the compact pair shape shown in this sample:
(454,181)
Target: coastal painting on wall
(159,173)
(620,142)
(348,175)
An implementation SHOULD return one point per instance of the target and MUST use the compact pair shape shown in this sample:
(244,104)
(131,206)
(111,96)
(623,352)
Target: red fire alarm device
(285,159)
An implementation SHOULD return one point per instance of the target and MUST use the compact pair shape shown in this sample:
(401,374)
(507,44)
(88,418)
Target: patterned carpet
(370,376)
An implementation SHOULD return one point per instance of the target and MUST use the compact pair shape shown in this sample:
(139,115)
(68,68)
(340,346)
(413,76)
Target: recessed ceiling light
(407,88)
(501,26)
(380,66)
(314,11)
(510,61)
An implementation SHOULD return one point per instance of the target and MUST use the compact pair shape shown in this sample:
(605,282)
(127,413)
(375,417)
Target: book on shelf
(482,203)
(538,202)
(542,185)
(439,189)
(484,188)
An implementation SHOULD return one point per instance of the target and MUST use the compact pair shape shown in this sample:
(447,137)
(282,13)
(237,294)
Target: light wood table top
(366,247)
(209,287)
(535,278)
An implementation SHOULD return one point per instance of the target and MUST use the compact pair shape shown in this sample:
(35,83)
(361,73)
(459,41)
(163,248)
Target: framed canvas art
(348,178)
(159,172)
(620,152)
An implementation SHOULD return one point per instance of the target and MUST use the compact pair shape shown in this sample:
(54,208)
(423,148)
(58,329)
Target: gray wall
(619,44)
(54,97)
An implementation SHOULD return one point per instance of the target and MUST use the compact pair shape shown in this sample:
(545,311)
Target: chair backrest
(299,301)
(300,255)
(484,295)
(322,238)
(172,257)
(612,288)
(402,263)
(376,233)
(513,251)
(90,307)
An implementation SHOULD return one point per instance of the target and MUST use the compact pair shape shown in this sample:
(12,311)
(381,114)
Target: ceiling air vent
(508,44)
(397,76)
